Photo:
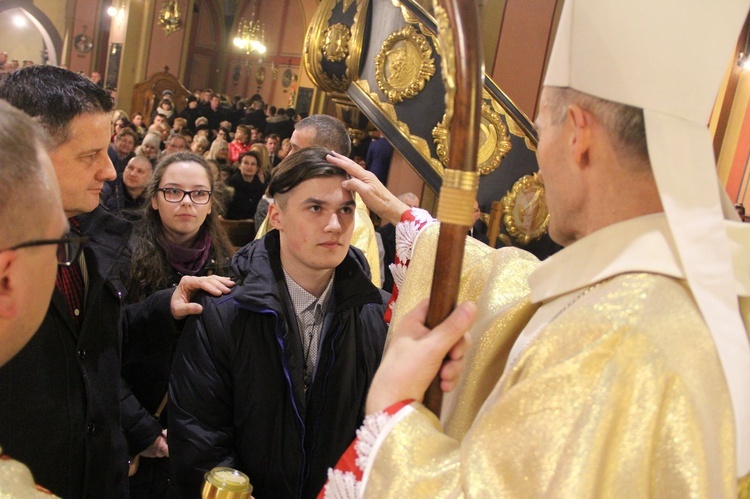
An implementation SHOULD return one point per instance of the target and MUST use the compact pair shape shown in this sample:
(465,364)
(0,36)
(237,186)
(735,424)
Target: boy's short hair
(307,163)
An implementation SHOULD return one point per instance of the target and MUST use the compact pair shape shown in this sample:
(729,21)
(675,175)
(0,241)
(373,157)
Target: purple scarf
(189,261)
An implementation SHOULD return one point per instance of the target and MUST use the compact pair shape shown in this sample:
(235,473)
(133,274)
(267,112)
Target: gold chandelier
(251,36)
(170,18)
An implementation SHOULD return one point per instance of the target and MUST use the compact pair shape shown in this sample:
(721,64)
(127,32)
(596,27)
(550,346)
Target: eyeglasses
(68,248)
(175,195)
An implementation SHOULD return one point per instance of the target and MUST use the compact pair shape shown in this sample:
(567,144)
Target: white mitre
(668,57)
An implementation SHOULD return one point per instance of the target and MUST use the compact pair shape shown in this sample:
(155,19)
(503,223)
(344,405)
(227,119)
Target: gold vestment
(363,238)
(620,394)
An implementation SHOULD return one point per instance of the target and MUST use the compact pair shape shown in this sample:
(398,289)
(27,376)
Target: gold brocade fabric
(496,281)
(616,398)
(363,238)
(16,481)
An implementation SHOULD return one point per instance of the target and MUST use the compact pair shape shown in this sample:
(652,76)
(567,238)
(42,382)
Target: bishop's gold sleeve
(614,399)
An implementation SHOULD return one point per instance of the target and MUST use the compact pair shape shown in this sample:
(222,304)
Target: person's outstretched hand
(181,305)
(416,354)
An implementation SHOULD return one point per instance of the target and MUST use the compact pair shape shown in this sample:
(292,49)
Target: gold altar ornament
(494,141)
(336,45)
(331,43)
(525,212)
(404,64)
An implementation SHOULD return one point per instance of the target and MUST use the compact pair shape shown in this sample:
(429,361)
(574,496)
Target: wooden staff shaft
(462,155)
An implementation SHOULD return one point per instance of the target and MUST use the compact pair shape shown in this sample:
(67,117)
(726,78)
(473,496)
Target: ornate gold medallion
(336,45)
(494,141)
(525,212)
(404,64)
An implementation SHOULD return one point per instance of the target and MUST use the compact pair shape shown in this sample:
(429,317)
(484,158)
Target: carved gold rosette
(525,212)
(336,46)
(494,141)
(335,43)
(404,64)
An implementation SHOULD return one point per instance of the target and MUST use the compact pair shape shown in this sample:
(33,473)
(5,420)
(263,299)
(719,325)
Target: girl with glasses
(178,234)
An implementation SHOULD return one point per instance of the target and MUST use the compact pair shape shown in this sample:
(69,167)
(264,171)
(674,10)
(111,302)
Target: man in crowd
(326,131)
(272,144)
(64,398)
(623,365)
(125,196)
(272,379)
(175,143)
(214,113)
(282,124)
(33,234)
(255,116)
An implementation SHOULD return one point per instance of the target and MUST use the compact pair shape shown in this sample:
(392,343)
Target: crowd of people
(147,351)
(221,134)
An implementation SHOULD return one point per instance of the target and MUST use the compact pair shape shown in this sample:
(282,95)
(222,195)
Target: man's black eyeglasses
(175,195)
(68,248)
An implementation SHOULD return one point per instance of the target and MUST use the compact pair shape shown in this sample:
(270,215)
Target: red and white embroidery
(407,230)
(345,481)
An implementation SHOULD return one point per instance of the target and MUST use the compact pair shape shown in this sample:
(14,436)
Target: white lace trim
(406,233)
(341,485)
(398,271)
(367,435)
(344,484)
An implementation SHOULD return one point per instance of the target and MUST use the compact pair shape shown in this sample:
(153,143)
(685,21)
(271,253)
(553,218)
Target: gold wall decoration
(324,41)
(404,64)
(513,127)
(494,141)
(336,46)
(448,61)
(420,144)
(525,212)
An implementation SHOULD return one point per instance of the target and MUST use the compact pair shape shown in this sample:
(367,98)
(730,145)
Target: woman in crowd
(248,188)
(284,149)
(199,145)
(218,152)
(264,165)
(223,134)
(119,123)
(166,109)
(150,147)
(240,144)
(179,234)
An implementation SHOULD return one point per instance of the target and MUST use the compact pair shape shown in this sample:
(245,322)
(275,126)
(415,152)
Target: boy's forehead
(320,187)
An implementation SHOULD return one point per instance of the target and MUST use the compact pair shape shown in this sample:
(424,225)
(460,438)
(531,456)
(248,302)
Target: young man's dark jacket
(236,390)
(63,400)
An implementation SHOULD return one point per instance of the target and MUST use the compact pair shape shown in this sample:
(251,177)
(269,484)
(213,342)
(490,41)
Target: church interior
(199,44)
